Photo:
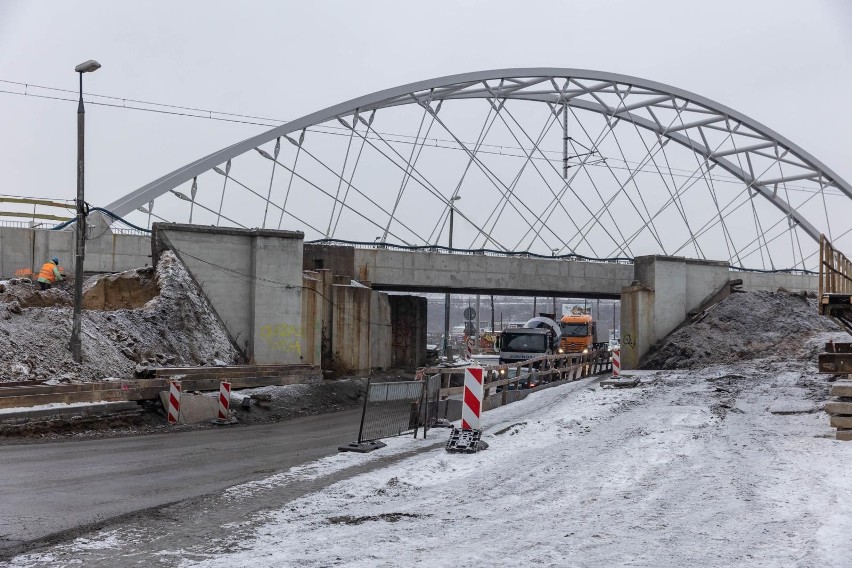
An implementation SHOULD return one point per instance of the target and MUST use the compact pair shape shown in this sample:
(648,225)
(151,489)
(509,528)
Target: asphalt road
(53,489)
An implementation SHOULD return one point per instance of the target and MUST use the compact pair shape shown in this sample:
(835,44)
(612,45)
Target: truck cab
(519,344)
(579,332)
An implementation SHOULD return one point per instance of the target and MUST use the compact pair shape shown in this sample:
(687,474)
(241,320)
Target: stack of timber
(840,409)
(837,359)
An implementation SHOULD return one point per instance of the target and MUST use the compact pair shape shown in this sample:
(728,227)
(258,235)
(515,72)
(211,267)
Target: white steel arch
(764,163)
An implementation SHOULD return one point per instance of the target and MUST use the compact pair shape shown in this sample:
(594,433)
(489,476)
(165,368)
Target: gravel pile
(162,320)
(744,326)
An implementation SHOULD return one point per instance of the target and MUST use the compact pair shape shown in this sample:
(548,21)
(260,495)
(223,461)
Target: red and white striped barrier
(472,402)
(616,363)
(224,400)
(174,402)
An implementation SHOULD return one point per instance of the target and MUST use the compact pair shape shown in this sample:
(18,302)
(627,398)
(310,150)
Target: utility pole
(75,344)
(476,341)
(447,295)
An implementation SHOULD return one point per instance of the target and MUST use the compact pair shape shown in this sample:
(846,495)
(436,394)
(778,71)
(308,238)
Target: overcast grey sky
(787,64)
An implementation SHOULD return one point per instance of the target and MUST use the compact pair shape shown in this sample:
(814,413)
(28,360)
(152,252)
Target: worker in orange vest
(49,274)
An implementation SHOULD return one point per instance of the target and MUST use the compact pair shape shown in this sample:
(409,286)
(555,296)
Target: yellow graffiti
(282,337)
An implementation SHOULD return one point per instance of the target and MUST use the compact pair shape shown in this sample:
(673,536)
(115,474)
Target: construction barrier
(224,400)
(472,399)
(173,412)
(616,363)
(390,409)
(469,347)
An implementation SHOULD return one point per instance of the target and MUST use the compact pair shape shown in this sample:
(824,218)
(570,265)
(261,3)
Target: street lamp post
(76,347)
(447,295)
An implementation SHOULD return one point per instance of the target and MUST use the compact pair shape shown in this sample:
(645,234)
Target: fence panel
(390,409)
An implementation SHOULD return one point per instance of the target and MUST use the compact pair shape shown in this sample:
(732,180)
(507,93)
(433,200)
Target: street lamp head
(455,198)
(88,66)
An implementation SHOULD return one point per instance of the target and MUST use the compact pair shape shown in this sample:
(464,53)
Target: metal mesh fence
(390,409)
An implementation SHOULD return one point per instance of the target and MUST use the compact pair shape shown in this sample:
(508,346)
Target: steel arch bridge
(546,160)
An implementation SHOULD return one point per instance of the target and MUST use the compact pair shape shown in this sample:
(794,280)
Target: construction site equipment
(465,441)
(472,398)
(541,371)
(539,336)
(390,409)
(173,409)
(579,331)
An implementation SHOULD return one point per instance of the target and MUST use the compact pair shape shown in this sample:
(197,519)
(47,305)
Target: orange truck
(579,331)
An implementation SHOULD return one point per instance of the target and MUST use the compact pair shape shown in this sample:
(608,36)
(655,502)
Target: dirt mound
(177,327)
(748,325)
(125,290)
(26,294)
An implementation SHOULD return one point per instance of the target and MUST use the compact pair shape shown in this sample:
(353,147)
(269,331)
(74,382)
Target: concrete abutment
(665,290)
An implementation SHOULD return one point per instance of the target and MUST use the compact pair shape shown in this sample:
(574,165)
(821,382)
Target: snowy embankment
(690,469)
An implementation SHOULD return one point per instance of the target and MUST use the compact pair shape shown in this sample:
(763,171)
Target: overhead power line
(254,120)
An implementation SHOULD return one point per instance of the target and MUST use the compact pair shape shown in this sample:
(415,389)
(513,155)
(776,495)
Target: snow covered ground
(693,468)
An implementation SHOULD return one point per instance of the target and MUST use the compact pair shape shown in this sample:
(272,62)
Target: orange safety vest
(46,272)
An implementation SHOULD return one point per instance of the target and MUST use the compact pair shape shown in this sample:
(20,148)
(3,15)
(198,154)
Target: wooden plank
(192,384)
(235,370)
(838,347)
(835,362)
(845,435)
(842,388)
(842,408)
(117,395)
(135,390)
(841,421)
(622,382)
(82,387)
(29,383)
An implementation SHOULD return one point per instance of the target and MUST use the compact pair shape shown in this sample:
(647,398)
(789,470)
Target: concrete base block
(844,434)
(81,412)
(194,407)
(361,448)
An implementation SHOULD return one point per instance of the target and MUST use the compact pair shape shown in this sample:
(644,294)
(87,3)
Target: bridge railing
(449,250)
(835,272)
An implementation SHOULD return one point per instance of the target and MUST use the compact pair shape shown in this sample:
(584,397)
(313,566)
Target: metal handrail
(451,250)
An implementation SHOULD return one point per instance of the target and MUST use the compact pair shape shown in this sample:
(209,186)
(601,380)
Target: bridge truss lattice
(548,161)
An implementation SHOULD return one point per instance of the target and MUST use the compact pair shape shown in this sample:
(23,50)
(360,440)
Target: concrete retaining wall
(253,280)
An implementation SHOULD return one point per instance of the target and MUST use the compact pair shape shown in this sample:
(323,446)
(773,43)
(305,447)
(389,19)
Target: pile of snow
(744,326)
(176,326)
